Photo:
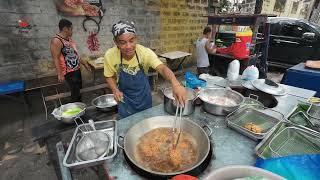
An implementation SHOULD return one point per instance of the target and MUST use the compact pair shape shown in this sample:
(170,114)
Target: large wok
(131,140)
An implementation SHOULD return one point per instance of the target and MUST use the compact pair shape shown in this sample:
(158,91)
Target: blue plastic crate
(12,87)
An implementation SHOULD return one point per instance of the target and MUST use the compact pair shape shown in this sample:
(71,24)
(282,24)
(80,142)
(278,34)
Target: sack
(233,70)
(192,81)
(250,73)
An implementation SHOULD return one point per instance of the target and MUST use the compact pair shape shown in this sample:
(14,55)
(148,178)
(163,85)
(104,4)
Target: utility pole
(258,7)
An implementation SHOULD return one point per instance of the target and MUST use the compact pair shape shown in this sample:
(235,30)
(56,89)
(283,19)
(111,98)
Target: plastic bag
(233,70)
(306,167)
(250,73)
(192,81)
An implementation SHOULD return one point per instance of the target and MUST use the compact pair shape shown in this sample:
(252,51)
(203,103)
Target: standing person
(203,49)
(67,60)
(125,68)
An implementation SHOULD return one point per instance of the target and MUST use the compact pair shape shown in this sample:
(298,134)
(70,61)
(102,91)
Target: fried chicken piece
(253,127)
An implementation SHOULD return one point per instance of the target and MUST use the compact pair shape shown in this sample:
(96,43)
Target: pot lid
(248,85)
(269,87)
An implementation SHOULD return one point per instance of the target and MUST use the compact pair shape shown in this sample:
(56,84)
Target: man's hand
(118,95)
(179,94)
(61,78)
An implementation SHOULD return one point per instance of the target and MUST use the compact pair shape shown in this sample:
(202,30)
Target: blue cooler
(302,77)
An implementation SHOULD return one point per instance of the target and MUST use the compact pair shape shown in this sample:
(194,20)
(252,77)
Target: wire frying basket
(293,141)
(314,112)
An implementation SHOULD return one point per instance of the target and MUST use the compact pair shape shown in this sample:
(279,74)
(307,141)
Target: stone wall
(182,22)
(161,25)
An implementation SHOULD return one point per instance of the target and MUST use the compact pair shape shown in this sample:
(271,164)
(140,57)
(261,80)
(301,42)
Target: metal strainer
(93,144)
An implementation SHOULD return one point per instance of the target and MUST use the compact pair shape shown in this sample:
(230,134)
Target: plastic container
(233,70)
(237,171)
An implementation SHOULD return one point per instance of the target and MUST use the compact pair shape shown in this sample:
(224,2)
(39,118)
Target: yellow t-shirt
(147,59)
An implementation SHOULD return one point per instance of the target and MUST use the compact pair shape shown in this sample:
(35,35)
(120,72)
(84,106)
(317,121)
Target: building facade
(285,8)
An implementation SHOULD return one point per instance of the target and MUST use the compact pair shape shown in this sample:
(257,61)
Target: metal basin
(234,98)
(131,140)
(105,103)
(59,112)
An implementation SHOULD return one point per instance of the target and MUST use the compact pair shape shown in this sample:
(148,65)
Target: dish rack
(109,127)
(293,141)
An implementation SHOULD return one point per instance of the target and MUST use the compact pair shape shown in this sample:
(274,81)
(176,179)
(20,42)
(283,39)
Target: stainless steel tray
(293,141)
(109,127)
(267,119)
(263,150)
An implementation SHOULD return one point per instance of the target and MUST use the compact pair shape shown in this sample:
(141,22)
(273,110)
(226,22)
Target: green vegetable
(72,111)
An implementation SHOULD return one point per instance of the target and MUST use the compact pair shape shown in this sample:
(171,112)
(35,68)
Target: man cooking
(67,60)
(125,69)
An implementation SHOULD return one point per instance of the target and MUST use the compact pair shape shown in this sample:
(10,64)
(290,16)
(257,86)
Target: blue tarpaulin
(296,167)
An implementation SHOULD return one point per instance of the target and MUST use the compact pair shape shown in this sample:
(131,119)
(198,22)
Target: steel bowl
(217,109)
(105,103)
(58,113)
(170,104)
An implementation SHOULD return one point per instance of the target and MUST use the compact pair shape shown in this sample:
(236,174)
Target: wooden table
(176,55)
(95,67)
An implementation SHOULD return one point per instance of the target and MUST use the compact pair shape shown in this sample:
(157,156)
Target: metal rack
(260,40)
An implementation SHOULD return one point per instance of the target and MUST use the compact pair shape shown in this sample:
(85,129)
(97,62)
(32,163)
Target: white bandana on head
(123,27)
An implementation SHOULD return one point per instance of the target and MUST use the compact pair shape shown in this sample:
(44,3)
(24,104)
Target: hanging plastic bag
(250,73)
(192,81)
(233,70)
(306,167)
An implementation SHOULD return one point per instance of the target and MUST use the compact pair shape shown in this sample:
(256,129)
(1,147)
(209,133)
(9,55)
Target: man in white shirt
(204,47)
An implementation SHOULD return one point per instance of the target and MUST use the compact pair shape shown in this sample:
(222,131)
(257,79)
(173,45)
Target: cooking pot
(105,103)
(58,112)
(201,138)
(218,109)
(170,104)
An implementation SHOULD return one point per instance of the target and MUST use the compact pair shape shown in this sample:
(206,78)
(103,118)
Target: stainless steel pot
(133,135)
(170,105)
(105,103)
(217,109)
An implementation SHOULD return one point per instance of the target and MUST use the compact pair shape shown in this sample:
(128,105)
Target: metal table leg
(180,64)
(65,172)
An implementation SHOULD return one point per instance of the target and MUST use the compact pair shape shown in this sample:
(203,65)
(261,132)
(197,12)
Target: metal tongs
(175,128)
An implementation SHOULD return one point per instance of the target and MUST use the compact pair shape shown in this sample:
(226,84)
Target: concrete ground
(22,159)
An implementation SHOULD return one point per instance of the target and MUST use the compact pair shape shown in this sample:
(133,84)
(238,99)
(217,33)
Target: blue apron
(136,91)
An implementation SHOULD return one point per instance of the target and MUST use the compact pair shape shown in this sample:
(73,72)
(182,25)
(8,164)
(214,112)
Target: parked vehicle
(292,41)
